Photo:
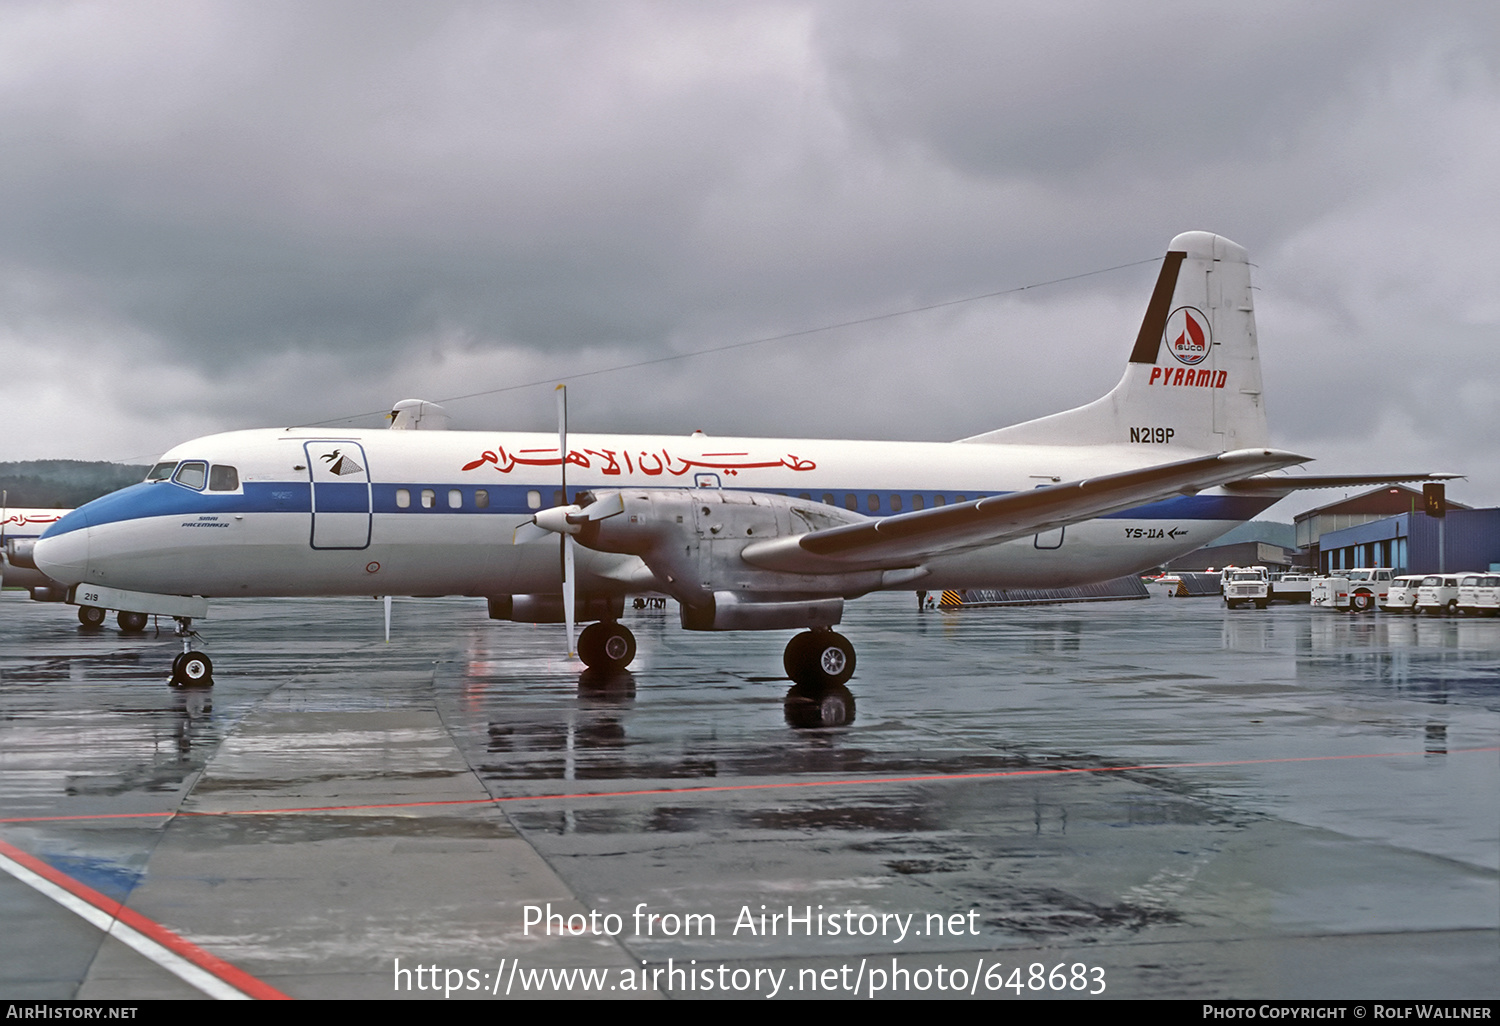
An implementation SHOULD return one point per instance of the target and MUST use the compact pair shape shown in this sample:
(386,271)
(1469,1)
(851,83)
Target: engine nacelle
(18,553)
(549,608)
(692,539)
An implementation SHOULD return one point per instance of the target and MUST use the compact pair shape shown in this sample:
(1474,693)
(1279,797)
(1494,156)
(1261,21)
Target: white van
(1479,596)
(1402,598)
(1438,593)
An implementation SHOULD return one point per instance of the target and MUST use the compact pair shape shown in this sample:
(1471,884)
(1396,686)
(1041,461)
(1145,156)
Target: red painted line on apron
(177,944)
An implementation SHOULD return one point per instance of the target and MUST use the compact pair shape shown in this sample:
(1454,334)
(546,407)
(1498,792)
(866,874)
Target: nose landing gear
(190,669)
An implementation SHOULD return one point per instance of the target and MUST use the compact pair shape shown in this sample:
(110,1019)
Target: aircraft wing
(1288,485)
(907,539)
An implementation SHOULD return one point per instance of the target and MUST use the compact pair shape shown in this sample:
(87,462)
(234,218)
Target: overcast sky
(224,215)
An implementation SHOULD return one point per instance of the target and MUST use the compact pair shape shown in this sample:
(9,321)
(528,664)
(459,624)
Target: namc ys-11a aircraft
(744,533)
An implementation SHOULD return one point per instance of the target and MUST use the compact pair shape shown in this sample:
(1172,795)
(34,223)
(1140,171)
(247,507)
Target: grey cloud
(294,211)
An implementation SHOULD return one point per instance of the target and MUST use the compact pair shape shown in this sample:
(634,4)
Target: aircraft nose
(63,557)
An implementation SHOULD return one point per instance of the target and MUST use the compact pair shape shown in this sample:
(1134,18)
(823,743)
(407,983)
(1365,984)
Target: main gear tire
(606,645)
(819,659)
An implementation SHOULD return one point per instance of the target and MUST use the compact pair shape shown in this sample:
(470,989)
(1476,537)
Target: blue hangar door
(340,478)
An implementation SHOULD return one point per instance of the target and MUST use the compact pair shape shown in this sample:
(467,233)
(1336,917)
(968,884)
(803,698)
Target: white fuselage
(314,512)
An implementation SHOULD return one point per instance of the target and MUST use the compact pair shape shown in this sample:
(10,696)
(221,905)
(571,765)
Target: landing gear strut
(819,662)
(190,669)
(606,645)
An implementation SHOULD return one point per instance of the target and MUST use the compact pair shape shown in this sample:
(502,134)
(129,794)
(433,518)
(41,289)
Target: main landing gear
(606,645)
(190,669)
(819,658)
(92,618)
(819,662)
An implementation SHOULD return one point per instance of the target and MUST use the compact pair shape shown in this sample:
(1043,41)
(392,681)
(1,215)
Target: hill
(64,484)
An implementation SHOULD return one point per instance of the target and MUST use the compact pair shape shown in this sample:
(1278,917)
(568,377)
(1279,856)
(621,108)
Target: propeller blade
(568,611)
(565,537)
(600,509)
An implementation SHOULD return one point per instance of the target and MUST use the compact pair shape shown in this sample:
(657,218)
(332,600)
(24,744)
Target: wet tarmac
(1162,798)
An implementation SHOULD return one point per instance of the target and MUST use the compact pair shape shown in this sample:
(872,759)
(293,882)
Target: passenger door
(340,477)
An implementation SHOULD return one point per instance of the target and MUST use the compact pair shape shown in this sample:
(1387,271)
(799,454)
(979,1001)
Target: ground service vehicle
(1246,584)
(1403,594)
(1438,594)
(1291,588)
(1358,590)
(1479,596)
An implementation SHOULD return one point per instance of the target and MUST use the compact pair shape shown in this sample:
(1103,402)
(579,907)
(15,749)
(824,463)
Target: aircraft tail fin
(1193,380)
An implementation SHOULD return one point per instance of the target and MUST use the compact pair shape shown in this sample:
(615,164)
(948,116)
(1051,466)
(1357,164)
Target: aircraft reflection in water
(744,533)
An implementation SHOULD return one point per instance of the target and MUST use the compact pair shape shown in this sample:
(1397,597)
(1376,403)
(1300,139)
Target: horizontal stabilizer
(909,538)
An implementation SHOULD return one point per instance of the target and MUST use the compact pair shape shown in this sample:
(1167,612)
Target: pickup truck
(1242,584)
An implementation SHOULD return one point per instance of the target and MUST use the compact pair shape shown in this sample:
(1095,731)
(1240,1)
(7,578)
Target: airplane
(744,533)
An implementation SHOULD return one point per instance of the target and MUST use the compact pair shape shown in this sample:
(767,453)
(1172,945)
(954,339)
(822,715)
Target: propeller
(566,520)
(565,539)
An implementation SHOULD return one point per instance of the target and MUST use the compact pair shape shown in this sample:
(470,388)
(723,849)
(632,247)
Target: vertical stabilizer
(1193,379)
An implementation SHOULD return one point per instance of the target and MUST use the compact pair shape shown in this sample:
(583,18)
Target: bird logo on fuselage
(340,464)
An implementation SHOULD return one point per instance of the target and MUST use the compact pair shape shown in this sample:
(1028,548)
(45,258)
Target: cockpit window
(161,471)
(192,475)
(223,479)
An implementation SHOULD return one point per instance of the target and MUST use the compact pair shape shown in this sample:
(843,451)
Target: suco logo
(1188,335)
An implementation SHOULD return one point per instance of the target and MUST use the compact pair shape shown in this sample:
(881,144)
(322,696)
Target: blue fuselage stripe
(168,499)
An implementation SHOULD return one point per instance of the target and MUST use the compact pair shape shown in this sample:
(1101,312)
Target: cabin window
(192,475)
(557,497)
(533,499)
(429,498)
(805,496)
(403,498)
(223,479)
(939,500)
(959,498)
(481,499)
(873,502)
(162,471)
(895,504)
(916,502)
(828,499)
(455,499)
(851,501)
